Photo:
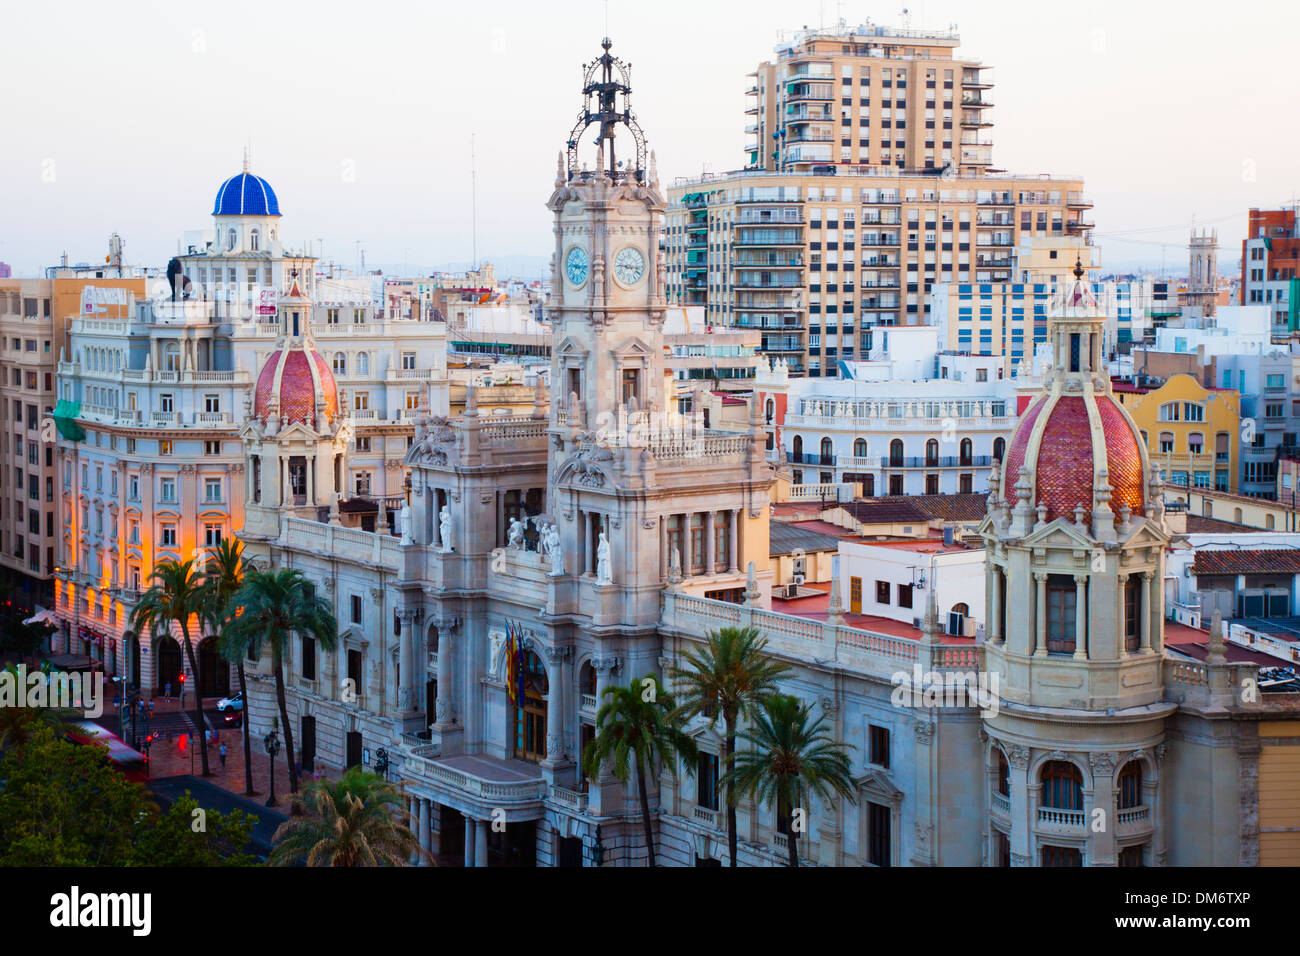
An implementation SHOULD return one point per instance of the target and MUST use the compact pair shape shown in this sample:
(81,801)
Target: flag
(510,662)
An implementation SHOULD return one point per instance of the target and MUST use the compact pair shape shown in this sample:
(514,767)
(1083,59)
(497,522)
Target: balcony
(1060,820)
(810,459)
(710,819)
(948,461)
(1001,805)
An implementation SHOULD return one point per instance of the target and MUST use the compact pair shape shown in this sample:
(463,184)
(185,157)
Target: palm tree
(277,604)
(729,676)
(175,597)
(637,727)
(353,821)
(790,758)
(225,577)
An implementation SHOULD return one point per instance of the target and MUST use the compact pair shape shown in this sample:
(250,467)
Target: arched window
(965,450)
(828,452)
(999,448)
(254,240)
(860,448)
(1004,774)
(896,453)
(932,453)
(771,410)
(587,681)
(1236,515)
(363,363)
(340,364)
(1268,522)
(530,711)
(1062,785)
(1130,785)
(798,448)
(231,238)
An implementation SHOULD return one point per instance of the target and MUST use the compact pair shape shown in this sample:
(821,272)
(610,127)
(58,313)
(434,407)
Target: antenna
(473,202)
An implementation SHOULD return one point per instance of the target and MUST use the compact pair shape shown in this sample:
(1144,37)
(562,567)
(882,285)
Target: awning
(65,420)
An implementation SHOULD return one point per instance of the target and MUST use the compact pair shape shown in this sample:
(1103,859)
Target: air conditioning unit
(792,590)
(798,579)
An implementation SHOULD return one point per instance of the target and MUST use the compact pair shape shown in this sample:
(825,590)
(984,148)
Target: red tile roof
(1255,561)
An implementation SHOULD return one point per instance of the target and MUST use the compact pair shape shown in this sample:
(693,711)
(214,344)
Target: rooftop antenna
(473,203)
(247,150)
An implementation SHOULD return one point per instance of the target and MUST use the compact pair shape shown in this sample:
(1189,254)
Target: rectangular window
(212,489)
(707,781)
(879,820)
(165,447)
(905,595)
(211,535)
(1060,614)
(1132,613)
(309,658)
(356,609)
(878,745)
(882,592)
(167,490)
(168,537)
(211,448)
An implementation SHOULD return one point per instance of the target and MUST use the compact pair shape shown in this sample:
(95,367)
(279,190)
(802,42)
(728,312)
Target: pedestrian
(221,752)
(167,689)
(151,708)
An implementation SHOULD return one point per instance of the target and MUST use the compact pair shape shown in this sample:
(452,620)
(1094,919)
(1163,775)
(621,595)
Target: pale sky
(126,117)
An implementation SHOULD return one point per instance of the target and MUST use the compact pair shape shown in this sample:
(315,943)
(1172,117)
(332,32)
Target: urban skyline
(388,182)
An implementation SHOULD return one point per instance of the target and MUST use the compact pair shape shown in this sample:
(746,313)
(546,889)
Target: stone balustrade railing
(366,547)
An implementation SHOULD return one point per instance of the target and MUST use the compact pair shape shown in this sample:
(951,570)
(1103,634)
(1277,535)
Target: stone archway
(167,664)
(214,670)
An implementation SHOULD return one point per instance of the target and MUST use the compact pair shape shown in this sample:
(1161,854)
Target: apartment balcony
(949,461)
(783,345)
(412,374)
(810,459)
(1078,228)
(770,237)
(1060,821)
(1077,201)
(750,281)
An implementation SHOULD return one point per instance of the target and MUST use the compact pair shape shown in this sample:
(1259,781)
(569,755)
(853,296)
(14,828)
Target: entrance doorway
(530,718)
(167,653)
(353,748)
(516,845)
(307,742)
(430,701)
(214,670)
(568,851)
(451,836)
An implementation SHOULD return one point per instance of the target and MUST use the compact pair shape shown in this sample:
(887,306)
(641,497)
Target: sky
(394,127)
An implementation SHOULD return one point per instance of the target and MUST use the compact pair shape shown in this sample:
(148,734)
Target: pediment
(632,348)
(1146,533)
(1059,533)
(573,347)
(877,782)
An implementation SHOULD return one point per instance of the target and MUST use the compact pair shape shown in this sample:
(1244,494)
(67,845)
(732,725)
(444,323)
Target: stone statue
(496,644)
(444,528)
(515,538)
(404,523)
(602,561)
(551,542)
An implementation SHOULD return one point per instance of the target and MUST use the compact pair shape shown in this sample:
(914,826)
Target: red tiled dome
(287,375)
(1065,473)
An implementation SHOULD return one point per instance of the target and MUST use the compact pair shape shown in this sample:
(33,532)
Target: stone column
(480,843)
(1148,605)
(710,561)
(471,834)
(1122,650)
(1038,643)
(555,704)
(445,713)
(995,607)
(406,692)
(431,517)
(1081,617)
(664,560)
(414,809)
(733,540)
(424,828)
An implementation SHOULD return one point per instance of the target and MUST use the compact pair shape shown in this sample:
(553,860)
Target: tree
(226,569)
(174,598)
(18,724)
(276,605)
(728,676)
(637,728)
(187,835)
(356,820)
(789,758)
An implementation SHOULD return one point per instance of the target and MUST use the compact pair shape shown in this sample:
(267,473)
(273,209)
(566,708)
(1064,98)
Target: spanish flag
(512,655)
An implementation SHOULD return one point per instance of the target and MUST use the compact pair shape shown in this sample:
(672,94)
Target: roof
(1252,561)
(785,538)
(919,508)
(1199,524)
(246,195)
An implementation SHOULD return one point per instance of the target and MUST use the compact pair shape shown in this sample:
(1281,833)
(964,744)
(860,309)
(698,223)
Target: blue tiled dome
(246,195)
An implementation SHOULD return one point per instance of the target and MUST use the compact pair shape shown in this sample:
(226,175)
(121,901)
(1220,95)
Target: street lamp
(272,744)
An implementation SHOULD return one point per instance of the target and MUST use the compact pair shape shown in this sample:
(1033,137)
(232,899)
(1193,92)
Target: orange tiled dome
(294,377)
(1065,472)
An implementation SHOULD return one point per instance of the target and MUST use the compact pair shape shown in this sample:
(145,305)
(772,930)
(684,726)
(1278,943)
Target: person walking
(221,752)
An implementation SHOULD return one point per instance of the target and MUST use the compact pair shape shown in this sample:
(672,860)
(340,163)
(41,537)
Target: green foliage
(357,820)
(789,757)
(62,804)
(276,604)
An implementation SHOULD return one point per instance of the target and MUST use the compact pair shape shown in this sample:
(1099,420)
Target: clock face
(629,266)
(575,265)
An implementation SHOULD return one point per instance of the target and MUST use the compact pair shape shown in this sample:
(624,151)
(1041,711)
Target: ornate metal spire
(605,79)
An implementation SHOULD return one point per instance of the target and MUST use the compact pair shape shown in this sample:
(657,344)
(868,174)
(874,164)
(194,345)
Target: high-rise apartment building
(1270,258)
(868,183)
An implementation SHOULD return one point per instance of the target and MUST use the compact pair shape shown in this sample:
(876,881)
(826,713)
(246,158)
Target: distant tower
(1203,270)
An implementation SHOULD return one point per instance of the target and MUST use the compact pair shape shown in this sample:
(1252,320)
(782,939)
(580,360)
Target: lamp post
(272,744)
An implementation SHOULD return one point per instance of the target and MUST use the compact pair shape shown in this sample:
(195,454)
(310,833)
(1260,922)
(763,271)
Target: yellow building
(1192,433)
